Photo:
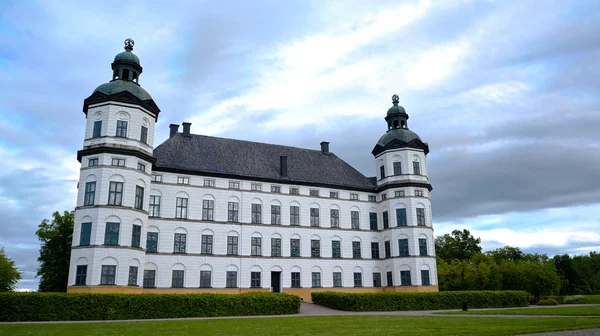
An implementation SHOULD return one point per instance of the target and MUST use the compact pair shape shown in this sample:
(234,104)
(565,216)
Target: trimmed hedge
(74,307)
(548,302)
(420,301)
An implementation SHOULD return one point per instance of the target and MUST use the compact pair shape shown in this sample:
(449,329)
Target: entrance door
(275,282)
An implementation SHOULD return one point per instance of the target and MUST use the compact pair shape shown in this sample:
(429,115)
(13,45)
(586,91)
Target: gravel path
(584,332)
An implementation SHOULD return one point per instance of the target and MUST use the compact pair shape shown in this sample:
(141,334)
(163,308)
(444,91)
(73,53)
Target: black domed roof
(120,85)
(127,56)
(396,109)
(401,134)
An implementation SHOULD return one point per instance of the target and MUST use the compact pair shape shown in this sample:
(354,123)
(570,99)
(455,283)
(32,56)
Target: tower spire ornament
(395,99)
(129,44)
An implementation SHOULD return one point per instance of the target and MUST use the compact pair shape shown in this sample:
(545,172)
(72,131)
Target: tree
(9,273)
(460,246)
(506,253)
(55,251)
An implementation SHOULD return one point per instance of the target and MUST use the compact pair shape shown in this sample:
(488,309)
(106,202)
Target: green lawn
(330,325)
(557,310)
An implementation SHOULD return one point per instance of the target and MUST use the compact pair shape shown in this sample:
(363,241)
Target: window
(139,197)
(255,279)
(232,211)
(399,193)
(356,250)
(118,162)
(294,215)
(334,215)
(422,247)
(405,278)
(149,277)
(383,197)
(121,128)
(157,178)
(397,168)
(81,275)
(154,206)
(276,189)
(401,217)
(86,233)
(382,172)
(275,247)
(357,279)
(296,280)
(313,192)
(314,217)
(232,245)
(152,242)
(136,236)
(353,196)
(354,220)
(275,214)
(177,280)
(420,217)
(231,281)
(376,279)
(111,235)
(144,135)
(390,279)
(90,193)
(403,247)
(256,248)
(205,279)
(316,279)
(425,278)
(256,187)
(386,223)
(133,273)
(372,198)
(107,276)
(183,180)
(207,244)
(315,248)
(388,249)
(179,243)
(97,129)
(256,213)
(416,168)
(209,182)
(336,249)
(141,167)
(181,206)
(93,162)
(208,210)
(294,247)
(234,185)
(373,220)
(418,192)
(334,194)
(294,191)
(337,279)
(115,193)
(375,250)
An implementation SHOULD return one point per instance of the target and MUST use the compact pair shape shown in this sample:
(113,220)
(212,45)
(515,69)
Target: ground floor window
(133,274)
(296,280)
(205,279)
(425,278)
(357,279)
(177,280)
(405,278)
(149,278)
(376,279)
(337,279)
(108,275)
(255,279)
(316,279)
(81,275)
(390,279)
(231,279)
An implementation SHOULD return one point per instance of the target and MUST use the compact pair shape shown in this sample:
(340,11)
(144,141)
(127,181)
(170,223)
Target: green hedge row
(72,307)
(420,301)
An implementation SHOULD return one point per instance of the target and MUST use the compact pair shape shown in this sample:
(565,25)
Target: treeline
(462,265)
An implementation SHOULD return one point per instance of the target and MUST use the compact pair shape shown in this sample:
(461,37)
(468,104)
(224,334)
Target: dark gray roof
(402,134)
(120,85)
(259,161)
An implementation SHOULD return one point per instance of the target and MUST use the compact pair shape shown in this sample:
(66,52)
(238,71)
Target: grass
(330,325)
(556,310)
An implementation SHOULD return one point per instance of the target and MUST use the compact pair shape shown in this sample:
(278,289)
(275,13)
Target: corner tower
(403,188)
(111,215)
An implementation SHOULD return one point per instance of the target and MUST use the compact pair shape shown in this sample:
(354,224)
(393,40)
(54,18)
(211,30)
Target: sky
(506,94)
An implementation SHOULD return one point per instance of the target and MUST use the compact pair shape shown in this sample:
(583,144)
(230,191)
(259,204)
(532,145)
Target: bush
(74,307)
(420,301)
(548,302)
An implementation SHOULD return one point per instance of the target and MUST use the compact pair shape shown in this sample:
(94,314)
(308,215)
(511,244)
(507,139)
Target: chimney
(325,147)
(283,166)
(174,129)
(186,128)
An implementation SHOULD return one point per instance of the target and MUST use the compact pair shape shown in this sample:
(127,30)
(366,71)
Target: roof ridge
(256,142)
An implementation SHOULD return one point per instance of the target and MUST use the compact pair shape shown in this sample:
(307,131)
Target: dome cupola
(126,65)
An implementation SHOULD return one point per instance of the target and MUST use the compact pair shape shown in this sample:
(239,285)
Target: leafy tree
(9,273)
(506,253)
(459,246)
(55,251)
